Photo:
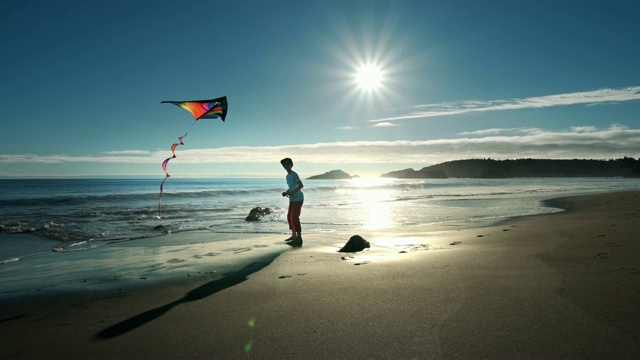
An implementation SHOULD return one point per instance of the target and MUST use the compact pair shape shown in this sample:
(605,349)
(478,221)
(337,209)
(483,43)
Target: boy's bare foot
(290,238)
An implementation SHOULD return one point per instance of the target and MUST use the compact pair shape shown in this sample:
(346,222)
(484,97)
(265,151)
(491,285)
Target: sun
(369,77)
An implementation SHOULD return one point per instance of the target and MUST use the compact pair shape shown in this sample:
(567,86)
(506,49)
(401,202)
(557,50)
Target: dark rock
(257,213)
(356,243)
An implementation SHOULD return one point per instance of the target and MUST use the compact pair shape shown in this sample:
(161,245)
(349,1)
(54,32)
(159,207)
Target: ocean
(41,220)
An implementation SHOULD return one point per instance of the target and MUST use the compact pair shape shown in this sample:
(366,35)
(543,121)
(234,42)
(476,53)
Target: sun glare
(369,77)
(366,62)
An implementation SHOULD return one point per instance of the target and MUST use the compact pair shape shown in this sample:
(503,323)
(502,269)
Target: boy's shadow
(229,279)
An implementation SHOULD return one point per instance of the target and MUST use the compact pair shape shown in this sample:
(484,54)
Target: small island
(332,175)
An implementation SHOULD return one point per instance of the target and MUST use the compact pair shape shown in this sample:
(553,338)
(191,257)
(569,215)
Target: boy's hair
(286,161)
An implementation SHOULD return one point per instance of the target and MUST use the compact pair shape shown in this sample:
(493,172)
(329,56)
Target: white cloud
(62,158)
(580,142)
(583,128)
(127,152)
(385,124)
(618,127)
(471,106)
(495,131)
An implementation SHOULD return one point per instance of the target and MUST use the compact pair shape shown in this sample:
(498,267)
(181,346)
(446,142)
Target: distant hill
(412,174)
(332,175)
(488,168)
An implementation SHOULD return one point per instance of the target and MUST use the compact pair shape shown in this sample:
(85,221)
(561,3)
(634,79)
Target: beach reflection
(375,203)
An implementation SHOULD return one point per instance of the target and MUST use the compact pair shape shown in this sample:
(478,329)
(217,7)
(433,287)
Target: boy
(296,198)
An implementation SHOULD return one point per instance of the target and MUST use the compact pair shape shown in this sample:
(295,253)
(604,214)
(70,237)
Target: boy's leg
(294,218)
(291,221)
(297,209)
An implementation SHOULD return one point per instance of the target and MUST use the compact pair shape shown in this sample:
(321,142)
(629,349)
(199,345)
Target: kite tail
(160,197)
(164,167)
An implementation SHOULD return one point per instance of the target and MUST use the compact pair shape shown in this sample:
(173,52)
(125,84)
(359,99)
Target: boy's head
(286,162)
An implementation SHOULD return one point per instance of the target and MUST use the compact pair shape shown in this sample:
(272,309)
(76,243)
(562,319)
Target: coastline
(561,285)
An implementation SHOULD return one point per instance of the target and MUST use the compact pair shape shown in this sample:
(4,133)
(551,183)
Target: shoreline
(93,268)
(560,285)
(126,267)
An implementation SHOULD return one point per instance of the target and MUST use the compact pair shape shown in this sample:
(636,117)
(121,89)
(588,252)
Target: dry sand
(557,286)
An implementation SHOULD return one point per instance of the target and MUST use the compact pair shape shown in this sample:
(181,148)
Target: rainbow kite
(200,109)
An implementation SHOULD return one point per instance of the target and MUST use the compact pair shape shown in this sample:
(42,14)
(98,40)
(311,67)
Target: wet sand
(556,286)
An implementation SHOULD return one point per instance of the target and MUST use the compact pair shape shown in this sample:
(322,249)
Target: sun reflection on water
(375,203)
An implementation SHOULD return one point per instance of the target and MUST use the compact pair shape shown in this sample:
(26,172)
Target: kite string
(164,167)
(190,127)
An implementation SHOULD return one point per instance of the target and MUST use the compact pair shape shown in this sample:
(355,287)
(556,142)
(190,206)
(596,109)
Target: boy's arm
(296,189)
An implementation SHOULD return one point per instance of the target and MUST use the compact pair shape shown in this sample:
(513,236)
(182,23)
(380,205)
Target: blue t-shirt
(292,182)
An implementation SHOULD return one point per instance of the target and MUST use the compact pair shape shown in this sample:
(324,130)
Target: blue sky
(82,82)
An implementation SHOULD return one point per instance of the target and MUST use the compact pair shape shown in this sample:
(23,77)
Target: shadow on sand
(228,280)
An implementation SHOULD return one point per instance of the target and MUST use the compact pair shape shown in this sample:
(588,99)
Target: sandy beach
(555,286)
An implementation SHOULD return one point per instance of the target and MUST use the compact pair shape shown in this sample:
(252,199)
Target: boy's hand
(285,194)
